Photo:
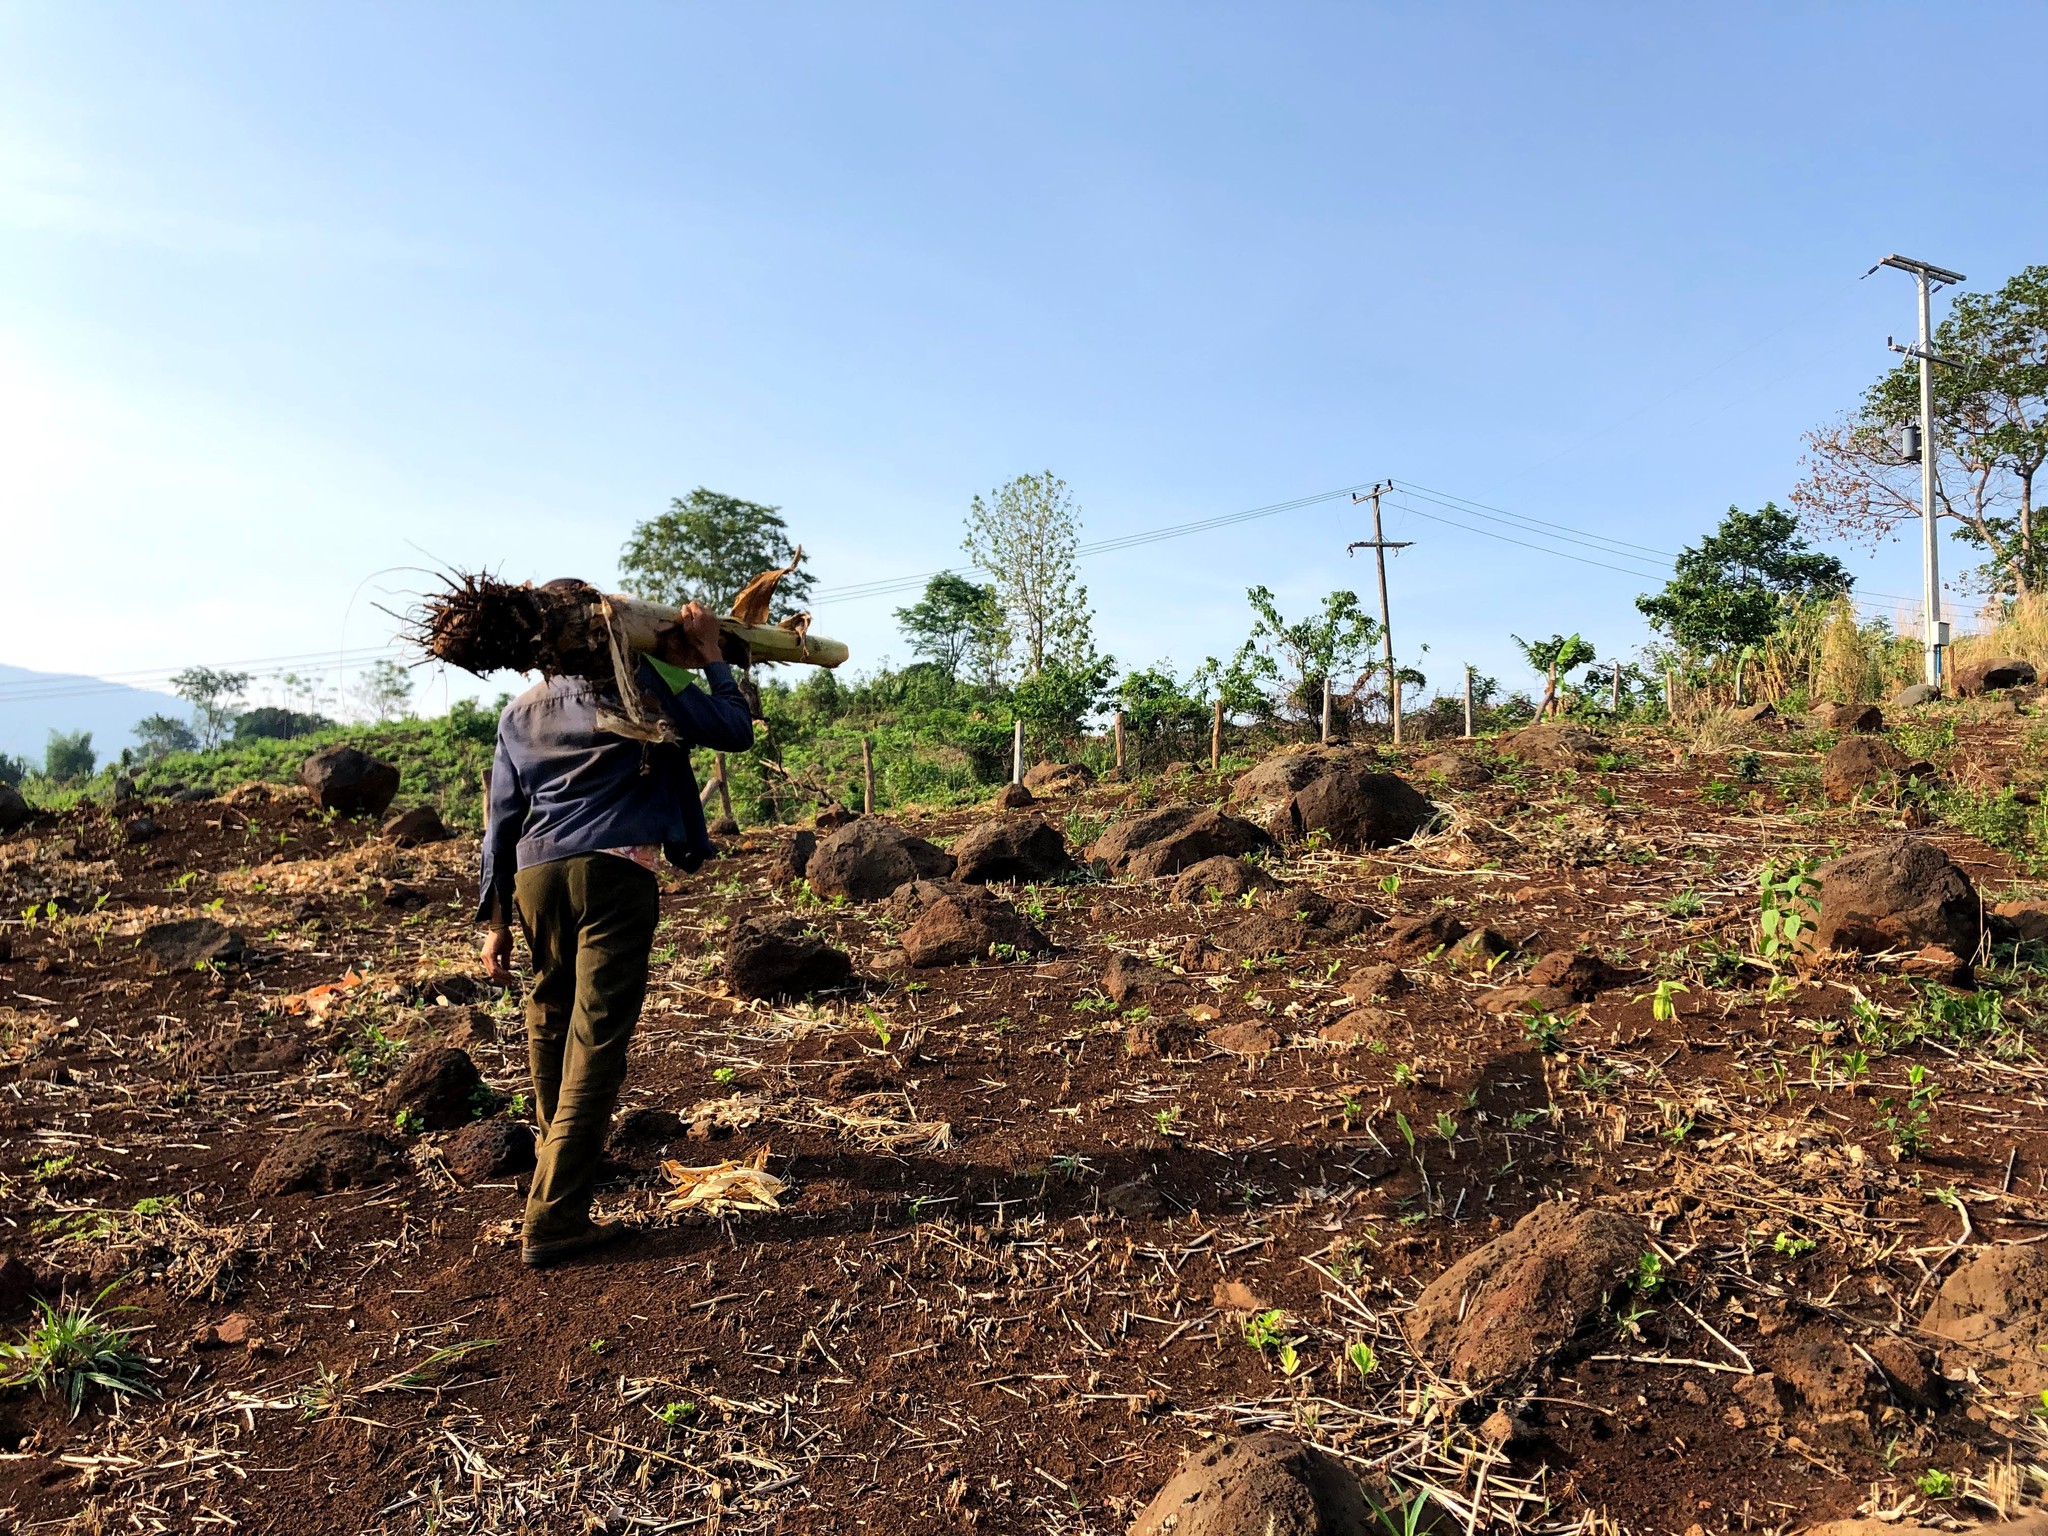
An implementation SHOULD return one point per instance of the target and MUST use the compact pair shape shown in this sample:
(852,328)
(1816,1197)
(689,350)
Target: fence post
(1396,697)
(1216,738)
(1614,702)
(1670,694)
(1017,754)
(867,775)
(1326,711)
(1468,703)
(1119,743)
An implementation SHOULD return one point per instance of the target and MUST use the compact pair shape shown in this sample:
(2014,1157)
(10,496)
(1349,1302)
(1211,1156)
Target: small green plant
(1263,1330)
(519,1107)
(1748,766)
(1407,1131)
(1545,1030)
(1446,1125)
(407,1122)
(1687,903)
(1936,1484)
(1791,1246)
(1404,1074)
(1408,1517)
(1595,1080)
(1167,1121)
(1789,901)
(674,1415)
(879,1024)
(1390,885)
(723,1075)
(1909,1125)
(68,1351)
(1649,1272)
(1362,1358)
(1721,793)
(1662,1008)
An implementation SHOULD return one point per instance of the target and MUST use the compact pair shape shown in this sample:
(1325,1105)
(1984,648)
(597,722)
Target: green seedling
(1167,1121)
(1365,1362)
(1687,903)
(69,1351)
(1545,1030)
(1649,1273)
(673,1415)
(1390,885)
(407,1122)
(1789,902)
(1791,1246)
(1662,1008)
(879,1024)
(724,1075)
(1936,1484)
(1262,1330)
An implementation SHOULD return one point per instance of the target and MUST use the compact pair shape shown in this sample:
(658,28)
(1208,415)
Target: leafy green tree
(1736,585)
(957,622)
(1025,536)
(706,547)
(385,691)
(1055,699)
(213,696)
(1992,413)
(272,723)
(1291,659)
(13,769)
(1560,653)
(68,756)
(161,734)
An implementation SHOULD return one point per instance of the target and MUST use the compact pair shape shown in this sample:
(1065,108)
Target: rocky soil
(1205,1154)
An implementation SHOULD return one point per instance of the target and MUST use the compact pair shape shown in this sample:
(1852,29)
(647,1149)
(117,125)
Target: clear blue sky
(288,290)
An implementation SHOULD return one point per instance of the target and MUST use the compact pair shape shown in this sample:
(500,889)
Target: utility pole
(1379,544)
(1934,633)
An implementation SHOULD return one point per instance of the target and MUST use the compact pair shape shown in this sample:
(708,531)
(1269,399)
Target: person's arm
(718,719)
(505,818)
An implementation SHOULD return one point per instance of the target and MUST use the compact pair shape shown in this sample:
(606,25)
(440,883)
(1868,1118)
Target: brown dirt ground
(995,1297)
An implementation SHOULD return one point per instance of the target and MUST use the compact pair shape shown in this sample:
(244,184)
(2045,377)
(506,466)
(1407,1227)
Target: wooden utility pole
(867,775)
(1216,737)
(1017,754)
(1326,711)
(1468,703)
(1119,743)
(1379,544)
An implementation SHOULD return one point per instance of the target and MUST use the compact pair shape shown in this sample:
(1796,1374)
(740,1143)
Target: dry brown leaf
(720,1187)
(751,606)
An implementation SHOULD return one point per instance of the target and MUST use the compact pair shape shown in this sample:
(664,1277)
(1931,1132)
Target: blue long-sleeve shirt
(560,787)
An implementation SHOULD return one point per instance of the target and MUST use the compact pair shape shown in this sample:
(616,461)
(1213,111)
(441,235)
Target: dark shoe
(598,1233)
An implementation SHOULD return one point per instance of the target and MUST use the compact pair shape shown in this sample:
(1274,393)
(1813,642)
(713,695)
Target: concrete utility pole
(1934,633)
(1379,544)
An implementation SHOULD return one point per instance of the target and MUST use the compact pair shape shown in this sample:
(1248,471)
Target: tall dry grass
(2021,630)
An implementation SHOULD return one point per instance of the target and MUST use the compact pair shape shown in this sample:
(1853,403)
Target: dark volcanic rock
(249,1051)
(795,859)
(1902,893)
(421,824)
(1915,695)
(1264,790)
(1128,980)
(439,1087)
(346,780)
(1222,878)
(771,957)
(1848,717)
(1502,1311)
(1455,770)
(867,859)
(1058,778)
(1581,977)
(14,811)
(181,945)
(1168,840)
(1013,797)
(1023,848)
(1412,937)
(1353,807)
(1266,1484)
(325,1158)
(1556,747)
(965,927)
(1859,765)
(1993,673)
(490,1149)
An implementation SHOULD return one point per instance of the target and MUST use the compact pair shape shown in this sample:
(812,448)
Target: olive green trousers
(589,922)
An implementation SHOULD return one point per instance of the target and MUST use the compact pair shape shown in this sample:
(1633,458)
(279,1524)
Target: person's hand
(497,953)
(692,640)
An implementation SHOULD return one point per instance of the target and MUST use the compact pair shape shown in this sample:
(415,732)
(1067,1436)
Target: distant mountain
(32,704)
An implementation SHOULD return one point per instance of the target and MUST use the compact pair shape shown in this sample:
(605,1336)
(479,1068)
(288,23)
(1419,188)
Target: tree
(1055,699)
(1026,537)
(213,696)
(706,547)
(1734,588)
(1992,413)
(269,722)
(1293,659)
(1560,653)
(69,756)
(161,734)
(385,691)
(957,622)
(13,769)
